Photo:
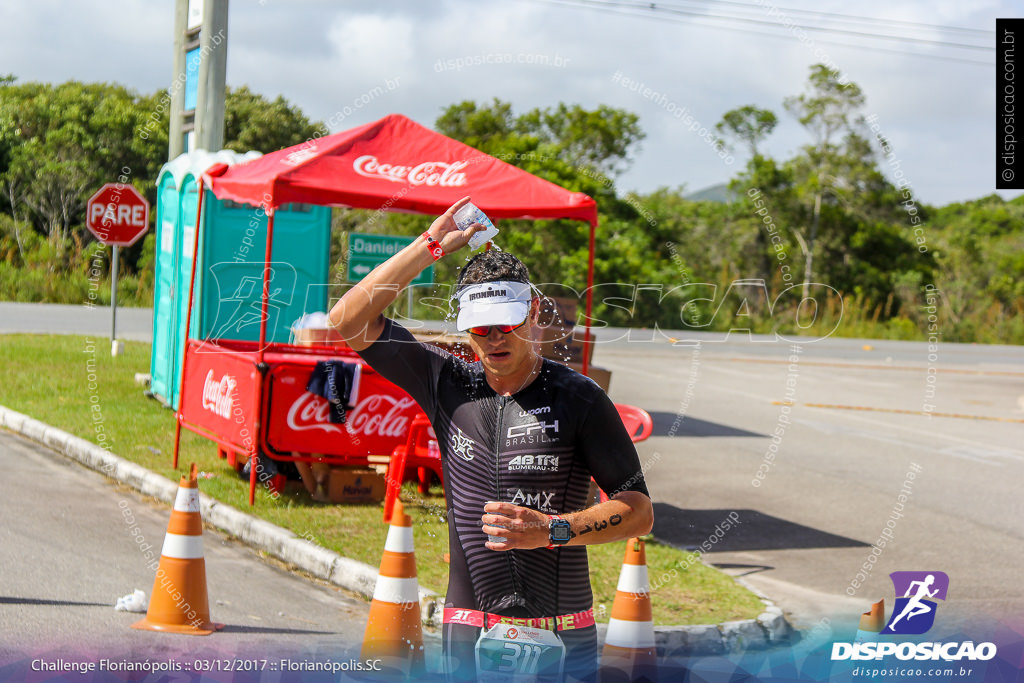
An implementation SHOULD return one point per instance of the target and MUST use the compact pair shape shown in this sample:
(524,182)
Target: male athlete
(520,438)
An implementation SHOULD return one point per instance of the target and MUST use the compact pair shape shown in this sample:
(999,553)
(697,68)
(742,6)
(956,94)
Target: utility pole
(200,75)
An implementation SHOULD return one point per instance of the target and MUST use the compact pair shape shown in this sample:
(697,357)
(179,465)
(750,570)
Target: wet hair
(489,266)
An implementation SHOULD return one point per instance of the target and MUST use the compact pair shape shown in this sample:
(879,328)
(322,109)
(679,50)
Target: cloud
(324,56)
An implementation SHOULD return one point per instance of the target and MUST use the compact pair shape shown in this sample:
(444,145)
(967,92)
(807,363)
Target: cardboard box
(563,343)
(555,310)
(455,343)
(355,485)
(602,376)
(318,336)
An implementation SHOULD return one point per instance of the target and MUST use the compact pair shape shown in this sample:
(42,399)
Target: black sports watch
(559,531)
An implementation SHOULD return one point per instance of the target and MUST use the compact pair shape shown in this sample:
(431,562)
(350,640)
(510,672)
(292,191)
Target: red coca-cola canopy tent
(393,164)
(398,165)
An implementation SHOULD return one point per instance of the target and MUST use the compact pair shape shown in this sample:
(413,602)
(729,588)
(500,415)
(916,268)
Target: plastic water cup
(470,214)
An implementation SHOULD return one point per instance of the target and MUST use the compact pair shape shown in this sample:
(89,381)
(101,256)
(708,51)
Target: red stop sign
(117,214)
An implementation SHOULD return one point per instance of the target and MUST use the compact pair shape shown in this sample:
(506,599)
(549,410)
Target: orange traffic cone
(871,623)
(393,630)
(629,651)
(179,603)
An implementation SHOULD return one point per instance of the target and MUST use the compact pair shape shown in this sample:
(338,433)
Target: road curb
(768,629)
(259,534)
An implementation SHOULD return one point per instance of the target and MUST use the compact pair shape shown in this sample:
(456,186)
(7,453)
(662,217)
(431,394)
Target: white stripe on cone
(187,500)
(397,591)
(633,579)
(865,637)
(399,539)
(631,634)
(183,547)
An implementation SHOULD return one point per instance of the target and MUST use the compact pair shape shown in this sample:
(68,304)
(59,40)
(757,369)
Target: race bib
(507,652)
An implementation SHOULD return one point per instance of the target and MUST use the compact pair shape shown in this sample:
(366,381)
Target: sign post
(116,215)
(366,252)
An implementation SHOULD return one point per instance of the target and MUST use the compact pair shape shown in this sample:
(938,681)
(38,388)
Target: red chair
(416,453)
(636,420)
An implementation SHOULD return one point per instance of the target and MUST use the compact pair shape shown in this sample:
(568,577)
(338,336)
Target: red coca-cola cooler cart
(221,376)
(250,397)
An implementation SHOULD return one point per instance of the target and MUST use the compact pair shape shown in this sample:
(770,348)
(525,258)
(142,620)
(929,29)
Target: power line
(856,19)
(655,7)
(647,15)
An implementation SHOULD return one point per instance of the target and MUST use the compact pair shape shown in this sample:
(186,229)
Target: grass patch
(74,384)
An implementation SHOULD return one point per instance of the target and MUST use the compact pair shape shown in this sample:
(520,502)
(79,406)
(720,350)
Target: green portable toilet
(233,256)
(167,216)
(229,272)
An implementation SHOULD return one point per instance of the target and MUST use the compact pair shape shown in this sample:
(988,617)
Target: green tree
(67,140)
(979,247)
(748,125)
(252,122)
(602,139)
(571,147)
(828,109)
(563,141)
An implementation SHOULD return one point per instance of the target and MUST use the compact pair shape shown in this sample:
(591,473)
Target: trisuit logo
(462,445)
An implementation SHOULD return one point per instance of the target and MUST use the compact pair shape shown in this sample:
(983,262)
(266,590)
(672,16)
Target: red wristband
(433,245)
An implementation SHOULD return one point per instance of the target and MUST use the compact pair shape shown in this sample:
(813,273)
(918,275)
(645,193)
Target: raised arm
(358,316)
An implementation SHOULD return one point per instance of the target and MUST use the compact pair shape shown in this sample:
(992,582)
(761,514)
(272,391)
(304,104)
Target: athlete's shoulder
(565,378)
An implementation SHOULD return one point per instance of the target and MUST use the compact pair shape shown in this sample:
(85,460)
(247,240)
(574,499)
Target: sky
(679,67)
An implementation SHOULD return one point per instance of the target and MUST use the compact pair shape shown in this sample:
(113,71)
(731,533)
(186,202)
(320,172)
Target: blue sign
(192,59)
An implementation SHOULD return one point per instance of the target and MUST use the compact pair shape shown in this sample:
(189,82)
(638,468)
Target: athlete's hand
(522,528)
(448,235)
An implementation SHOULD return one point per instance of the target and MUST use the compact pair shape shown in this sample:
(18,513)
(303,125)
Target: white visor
(494,303)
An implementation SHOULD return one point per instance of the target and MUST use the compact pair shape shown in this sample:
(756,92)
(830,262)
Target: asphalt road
(135,324)
(832,481)
(67,553)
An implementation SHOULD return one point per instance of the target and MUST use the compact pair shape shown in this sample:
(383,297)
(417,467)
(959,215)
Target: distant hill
(716,193)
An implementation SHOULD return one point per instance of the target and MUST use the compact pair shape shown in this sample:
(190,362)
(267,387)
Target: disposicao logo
(914,614)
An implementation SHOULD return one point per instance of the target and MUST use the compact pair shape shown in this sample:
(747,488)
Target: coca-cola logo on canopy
(432,173)
(298,156)
(376,415)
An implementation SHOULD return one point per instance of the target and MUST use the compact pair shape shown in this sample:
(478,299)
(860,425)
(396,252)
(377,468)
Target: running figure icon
(915,606)
(919,593)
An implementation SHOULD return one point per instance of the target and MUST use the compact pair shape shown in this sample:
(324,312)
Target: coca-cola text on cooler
(376,415)
(218,397)
(439,173)
(310,411)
